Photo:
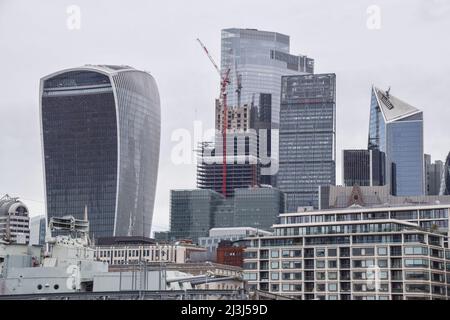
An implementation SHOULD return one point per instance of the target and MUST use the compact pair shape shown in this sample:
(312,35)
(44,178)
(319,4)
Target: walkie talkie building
(100,128)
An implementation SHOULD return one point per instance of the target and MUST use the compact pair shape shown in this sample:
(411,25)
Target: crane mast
(224,81)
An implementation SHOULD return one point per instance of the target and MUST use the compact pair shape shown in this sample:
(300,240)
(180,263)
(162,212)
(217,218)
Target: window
(274,265)
(332,264)
(417,275)
(274,275)
(332,287)
(363,251)
(382,263)
(344,252)
(332,252)
(363,263)
(332,275)
(320,275)
(382,251)
(416,251)
(411,263)
(249,276)
(320,264)
(274,253)
(320,253)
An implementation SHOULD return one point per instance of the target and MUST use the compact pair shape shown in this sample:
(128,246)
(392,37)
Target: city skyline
(405,70)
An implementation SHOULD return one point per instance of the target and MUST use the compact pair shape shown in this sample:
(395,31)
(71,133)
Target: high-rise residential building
(354,253)
(307,138)
(396,128)
(259,59)
(433,175)
(445,180)
(194,212)
(363,167)
(14,221)
(100,137)
(38,228)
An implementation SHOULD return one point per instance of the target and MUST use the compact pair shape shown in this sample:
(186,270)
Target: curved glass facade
(100,135)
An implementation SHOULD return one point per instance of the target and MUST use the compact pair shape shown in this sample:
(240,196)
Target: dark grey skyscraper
(307,137)
(433,176)
(363,167)
(101,136)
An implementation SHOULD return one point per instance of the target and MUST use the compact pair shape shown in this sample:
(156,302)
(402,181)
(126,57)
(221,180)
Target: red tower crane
(224,81)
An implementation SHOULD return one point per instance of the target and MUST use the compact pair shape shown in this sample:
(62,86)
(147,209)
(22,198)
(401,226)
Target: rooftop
(393,108)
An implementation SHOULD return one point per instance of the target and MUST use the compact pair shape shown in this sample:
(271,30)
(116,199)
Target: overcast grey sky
(410,53)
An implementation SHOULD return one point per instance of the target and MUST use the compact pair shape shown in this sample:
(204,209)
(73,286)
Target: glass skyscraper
(396,128)
(100,136)
(259,58)
(307,138)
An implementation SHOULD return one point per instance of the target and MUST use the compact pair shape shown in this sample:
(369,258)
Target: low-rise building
(133,250)
(230,253)
(217,235)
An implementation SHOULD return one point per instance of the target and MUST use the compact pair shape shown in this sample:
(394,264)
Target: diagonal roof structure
(392,108)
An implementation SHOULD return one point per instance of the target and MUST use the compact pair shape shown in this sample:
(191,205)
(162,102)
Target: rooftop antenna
(388,92)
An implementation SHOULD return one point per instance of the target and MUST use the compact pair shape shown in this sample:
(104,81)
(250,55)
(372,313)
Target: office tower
(433,175)
(396,128)
(259,59)
(445,180)
(363,167)
(38,228)
(100,136)
(307,138)
(351,254)
(14,221)
(194,212)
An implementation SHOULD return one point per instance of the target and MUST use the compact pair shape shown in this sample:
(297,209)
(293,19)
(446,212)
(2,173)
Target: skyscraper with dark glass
(363,168)
(307,137)
(100,136)
(396,128)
